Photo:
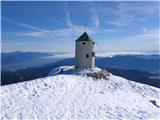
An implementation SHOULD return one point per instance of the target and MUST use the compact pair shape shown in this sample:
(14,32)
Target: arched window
(87,55)
(83,43)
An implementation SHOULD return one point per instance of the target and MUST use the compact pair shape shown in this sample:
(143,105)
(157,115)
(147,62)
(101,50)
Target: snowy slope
(72,96)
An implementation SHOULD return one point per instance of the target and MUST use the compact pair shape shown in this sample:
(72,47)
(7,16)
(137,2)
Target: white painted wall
(81,50)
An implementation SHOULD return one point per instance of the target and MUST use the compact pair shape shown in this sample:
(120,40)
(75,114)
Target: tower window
(93,43)
(83,43)
(87,56)
(93,54)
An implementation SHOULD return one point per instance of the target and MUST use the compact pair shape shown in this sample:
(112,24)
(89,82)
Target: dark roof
(84,37)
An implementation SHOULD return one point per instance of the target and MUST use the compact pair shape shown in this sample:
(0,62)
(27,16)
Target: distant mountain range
(32,65)
(19,60)
(128,62)
(22,60)
(144,63)
(18,56)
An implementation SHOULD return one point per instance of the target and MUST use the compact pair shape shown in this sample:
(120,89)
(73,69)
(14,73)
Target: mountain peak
(73,95)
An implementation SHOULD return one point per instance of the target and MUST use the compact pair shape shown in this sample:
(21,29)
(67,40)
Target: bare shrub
(103,74)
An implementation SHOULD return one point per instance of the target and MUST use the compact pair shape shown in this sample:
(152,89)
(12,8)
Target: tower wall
(85,54)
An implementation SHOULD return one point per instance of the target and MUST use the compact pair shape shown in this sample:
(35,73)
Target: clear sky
(54,26)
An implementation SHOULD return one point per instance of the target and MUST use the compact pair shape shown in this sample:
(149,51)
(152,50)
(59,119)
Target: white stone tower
(85,52)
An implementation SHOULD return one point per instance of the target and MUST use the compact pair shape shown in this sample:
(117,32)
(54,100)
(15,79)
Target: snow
(76,96)
(71,70)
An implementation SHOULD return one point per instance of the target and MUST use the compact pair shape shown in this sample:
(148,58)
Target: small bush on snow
(103,74)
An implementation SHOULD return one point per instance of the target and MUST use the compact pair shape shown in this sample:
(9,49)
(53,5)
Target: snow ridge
(76,96)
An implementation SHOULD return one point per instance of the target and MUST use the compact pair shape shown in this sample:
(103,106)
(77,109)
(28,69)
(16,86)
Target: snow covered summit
(74,95)
(72,71)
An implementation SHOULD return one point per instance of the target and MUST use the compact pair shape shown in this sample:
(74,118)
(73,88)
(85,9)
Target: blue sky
(54,26)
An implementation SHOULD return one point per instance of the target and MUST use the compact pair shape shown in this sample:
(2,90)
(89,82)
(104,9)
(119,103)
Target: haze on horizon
(54,26)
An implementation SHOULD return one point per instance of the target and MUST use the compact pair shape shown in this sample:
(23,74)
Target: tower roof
(84,37)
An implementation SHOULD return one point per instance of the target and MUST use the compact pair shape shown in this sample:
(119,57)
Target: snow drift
(73,95)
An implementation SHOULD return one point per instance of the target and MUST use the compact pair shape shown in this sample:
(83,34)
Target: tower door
(93,54)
